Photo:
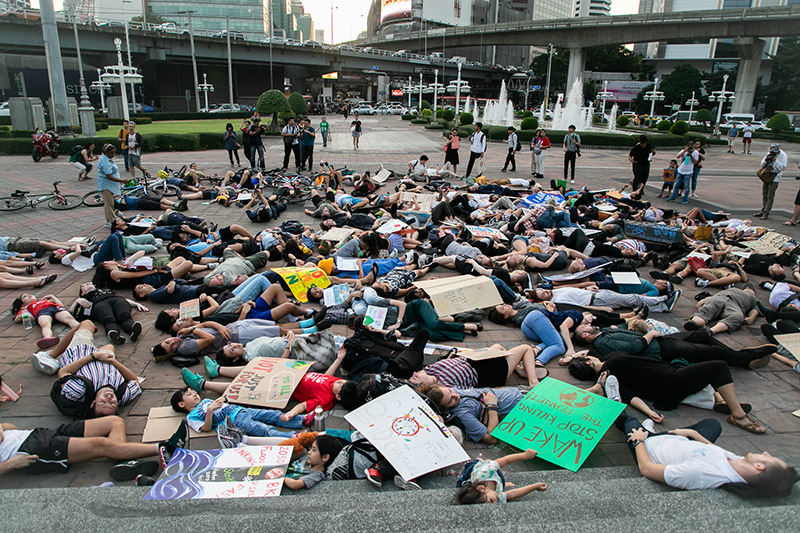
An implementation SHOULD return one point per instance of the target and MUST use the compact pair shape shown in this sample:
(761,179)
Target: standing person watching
(688,158)
(477,147)
(134,143)
(356,127)
(513,144)
(777,161)
(747,136)
(231,144)
(451,149)
(256,145)
(123,137)
(245,129)
(324,129)
(291,143)
(733,133)
(572,149)
(307,137)
(539,146)
(108,182)
(640,156)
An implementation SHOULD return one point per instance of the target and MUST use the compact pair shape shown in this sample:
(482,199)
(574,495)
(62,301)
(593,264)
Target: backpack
(292,226)
(371,386)
(518,148)
(78,409)
(75,153)
(353,460)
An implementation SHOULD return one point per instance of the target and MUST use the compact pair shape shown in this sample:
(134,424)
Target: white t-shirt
(11,442)
(779,293)
(747,131)
(478,144)
(687,166)
(572,295)
(692,465)
(418,167)
(80,263)
(519,182)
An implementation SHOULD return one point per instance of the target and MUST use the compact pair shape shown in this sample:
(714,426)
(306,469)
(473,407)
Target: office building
(249,17)
(592,8)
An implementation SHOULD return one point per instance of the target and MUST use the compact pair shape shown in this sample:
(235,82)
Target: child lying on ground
(481,481)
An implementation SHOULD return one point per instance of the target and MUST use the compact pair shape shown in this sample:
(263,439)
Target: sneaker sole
(136,331)
(126,472)
(401,483)
(44,369)
(761,362)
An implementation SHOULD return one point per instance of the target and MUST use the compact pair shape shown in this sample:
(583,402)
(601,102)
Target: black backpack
(371,386)
(351,461)
(78,409)
(518,148)
(294,227)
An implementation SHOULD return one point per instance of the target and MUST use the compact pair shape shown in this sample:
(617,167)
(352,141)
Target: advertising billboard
(626,91)
(392,10)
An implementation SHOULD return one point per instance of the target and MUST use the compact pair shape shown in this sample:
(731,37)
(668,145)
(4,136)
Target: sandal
(541,372)
(747,424)
(789,223)
(722,408)
(39,265)
(49,279)
(29,269)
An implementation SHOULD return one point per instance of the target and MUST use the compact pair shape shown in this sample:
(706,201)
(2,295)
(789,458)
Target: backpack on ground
(81,409)
(353,460)
(294,227)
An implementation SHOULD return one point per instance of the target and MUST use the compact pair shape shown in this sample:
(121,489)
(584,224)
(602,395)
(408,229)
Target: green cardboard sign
(562,422)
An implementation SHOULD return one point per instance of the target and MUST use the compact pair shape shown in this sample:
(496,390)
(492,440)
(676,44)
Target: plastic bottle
(27,320)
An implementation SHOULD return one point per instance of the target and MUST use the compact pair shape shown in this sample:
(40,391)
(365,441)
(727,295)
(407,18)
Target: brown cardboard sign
(266,382)
(461,293)
(162,422)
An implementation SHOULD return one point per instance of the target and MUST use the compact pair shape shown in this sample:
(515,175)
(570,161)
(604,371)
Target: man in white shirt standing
(513,145)
(688,459)
(747,136)
(777,160)
(477,147)
(687,158)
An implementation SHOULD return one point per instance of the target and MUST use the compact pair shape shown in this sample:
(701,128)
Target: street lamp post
(691,103)
(409,89)
(604,95)
(125,113)
(458,90)
(420,87)
(551,53)
(653,96)
(194,60)
(721,97)
(101,86)
(128,48)
(435,90)
(206,88)
(230,66)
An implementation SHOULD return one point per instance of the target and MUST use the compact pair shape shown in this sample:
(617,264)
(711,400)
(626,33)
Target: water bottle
(319,420)
(27,320)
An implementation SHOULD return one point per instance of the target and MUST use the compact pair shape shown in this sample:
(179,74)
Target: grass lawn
(190,126)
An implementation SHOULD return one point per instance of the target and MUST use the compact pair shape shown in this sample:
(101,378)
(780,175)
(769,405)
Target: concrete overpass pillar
(751,49)
(577,63)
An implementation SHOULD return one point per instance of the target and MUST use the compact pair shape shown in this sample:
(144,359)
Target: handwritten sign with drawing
(300,279)
(248,472)
(266,382)
(653,232)
(375,316)
(335,294)
(407,432)
(461,293)
(190,309)
(337,234)
(563,422)
(481,231)
(770,243)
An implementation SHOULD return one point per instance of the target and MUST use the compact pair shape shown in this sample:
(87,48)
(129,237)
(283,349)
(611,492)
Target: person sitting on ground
(481,481)
(417,167)
(688,459)
(731,307)
(44,311)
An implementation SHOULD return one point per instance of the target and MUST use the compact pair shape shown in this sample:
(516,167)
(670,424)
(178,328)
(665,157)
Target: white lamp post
(653,96)
(721,97)
(420,87)
(691,102)
(125,114)
(128,48)
(604,95)
(458,90)
(436,86)
(206,88)
(409,89)
(101,86)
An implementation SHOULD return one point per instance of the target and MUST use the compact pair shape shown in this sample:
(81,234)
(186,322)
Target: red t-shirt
(544,144)
(34,308)
(316,389)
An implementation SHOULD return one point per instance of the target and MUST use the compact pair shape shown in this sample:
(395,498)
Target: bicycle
(55,200)
(138,187)
(301,185)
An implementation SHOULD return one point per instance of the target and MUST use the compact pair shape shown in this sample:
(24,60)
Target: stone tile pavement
(727,182)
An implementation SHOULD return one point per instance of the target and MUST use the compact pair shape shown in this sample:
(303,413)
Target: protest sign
(190,309)
(481,232)
(563,422)
(790,341)
(381,176)
(483,353)
(392,226)
(542,197)
(335,294)
(626,278)
(770,243)
(424,200)
(300,279)
(248,472)
(407,433)
(660,233)
(266,382)
(337,234)
(244,196)
(375,316)
(347,264)
(461,293)
(162,422)
(577,275)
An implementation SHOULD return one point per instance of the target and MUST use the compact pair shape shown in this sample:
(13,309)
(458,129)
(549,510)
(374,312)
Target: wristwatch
(635,442)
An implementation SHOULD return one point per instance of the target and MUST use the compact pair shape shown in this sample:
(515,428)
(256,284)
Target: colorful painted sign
(266,382)
(562,422)
(247,472)
(300,279)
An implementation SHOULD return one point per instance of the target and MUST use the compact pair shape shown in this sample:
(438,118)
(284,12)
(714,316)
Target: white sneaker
(158,243)
(405,485)
(572,181)
(612,389)
(45,364)
(107,225)
(649,425)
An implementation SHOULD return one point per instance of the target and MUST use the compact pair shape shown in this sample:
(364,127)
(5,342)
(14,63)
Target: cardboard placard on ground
(337,234)
(381,176)
(247,472)
(347,264)
(770,243)
(626,278)
(335,294)
(461,293)
(790,341)
(563,422)
(483,353)
(577,275)
(392,226)
(190,309)
(482,231)
(375,316)
(162,422)
(266,382)
(424,200)
(660,233)
(300,279)
(408,433)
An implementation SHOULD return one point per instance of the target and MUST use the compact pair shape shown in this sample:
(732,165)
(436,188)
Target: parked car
(141,108)
(4,110)
(234,35)
(364,109)
(274,40)
(170,27)
(313,44)
(226,108)
(396,109)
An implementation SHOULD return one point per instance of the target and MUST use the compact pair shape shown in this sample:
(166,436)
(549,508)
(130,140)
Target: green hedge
(529,123)
(434,126)
(680,128)
(136,120)
(6,120)
(156,117)
(408,117)
(419,121)
(5,128)
(466,118)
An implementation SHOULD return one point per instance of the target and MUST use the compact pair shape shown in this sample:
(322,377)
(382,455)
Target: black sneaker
(180,439)
(136,330)
(325,324)
(129,470)
(658,274)
(144,481)
(674,278)
(165,452)
(115,337)
(672,299)
(319,316)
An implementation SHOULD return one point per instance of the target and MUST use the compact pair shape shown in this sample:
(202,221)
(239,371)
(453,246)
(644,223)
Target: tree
(783,91)
(703,115)
(679,84)
(272,102)
(779,122)
(298,104)
(151,19)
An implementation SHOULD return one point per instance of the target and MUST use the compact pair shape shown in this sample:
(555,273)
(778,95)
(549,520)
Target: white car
(235,35)
(4,110)
(364,109)
(226,108)
(392,109)
(170,27)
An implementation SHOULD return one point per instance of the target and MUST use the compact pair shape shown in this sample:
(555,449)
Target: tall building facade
(289,20)
(249,17)
(592,8)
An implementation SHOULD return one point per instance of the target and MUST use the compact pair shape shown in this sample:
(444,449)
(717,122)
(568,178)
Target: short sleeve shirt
(197,417)
(487,470)
(99,373)
(316,389)
(300,470)
(692,465)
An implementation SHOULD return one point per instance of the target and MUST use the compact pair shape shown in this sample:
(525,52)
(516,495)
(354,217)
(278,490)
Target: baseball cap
(774,148)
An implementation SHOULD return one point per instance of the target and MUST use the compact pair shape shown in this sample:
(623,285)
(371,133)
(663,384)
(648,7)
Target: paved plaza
(727,182)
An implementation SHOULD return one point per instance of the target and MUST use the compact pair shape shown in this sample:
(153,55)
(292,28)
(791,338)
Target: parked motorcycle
(45,143)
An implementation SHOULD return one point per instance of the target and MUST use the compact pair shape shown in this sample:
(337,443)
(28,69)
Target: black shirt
(255,140)
(641,154)
(357,124)
(758,264)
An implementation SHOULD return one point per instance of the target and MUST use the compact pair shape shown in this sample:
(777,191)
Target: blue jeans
(554,219)
(694,178)
(709,428)
(110,249)
(537,327)
(505,291)
(259,422)
(686,181)
(252,288)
